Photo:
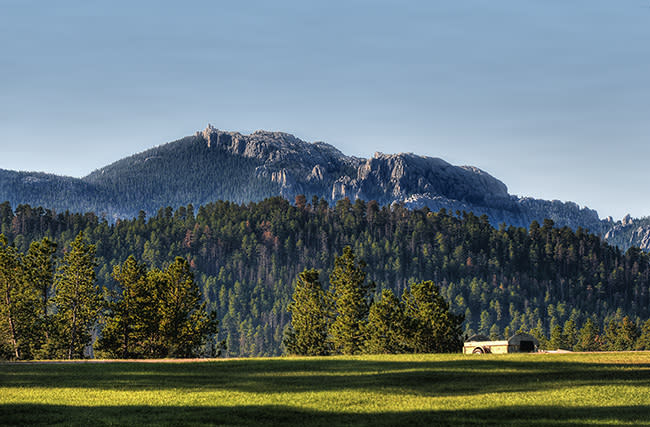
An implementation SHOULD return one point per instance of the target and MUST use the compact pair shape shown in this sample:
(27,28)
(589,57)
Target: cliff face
(629,232)
(320,169)
(214,164)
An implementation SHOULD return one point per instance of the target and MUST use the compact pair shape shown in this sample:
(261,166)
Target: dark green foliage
(14,301)
(130,326)
(557,339)
(589,338)
(627,335)
(25,284)
(311,312)
(185,325)
(39,266)
(159,177)
(570,334)
(431,327)
(351,302)
(621,334)
(145,181)
(643,343)
(157,314)
(386,330)
(538,332)
(78,301)
(246,258)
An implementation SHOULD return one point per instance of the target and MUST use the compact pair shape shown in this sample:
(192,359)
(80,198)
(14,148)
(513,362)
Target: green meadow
(525,389)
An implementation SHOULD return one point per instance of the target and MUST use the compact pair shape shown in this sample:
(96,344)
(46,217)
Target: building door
(526,346)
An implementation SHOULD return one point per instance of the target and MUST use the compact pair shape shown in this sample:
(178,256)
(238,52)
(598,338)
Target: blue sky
(550,96)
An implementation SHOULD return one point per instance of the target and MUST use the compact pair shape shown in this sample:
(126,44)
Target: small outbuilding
(518,343)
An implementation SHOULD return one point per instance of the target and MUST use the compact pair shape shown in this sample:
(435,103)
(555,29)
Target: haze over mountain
(219,165)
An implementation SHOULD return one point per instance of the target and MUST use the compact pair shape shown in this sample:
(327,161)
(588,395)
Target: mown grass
(557,389)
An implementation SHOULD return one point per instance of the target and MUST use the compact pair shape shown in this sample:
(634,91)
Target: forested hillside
(246,258)
(216,165)
(178,173)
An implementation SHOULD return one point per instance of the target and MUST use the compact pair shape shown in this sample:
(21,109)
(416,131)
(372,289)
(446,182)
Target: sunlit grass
(560,389)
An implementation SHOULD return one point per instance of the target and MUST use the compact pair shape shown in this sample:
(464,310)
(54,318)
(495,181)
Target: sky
(552,97)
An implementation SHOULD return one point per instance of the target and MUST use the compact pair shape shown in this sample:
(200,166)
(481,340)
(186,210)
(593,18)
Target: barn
(518,343)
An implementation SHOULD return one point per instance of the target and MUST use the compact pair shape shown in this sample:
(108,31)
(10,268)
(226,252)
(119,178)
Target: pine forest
(242,266)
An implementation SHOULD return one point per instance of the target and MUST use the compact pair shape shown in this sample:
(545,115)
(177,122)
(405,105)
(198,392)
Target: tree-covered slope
(60,193)
(247,257)
(179,173)
(218,165)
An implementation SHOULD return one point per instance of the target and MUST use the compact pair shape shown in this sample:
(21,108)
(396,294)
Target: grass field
(551,389)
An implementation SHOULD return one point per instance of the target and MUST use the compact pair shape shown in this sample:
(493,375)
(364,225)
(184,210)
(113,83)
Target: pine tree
(39,267)
(495,333)
(185,324)
(130,312)
(386,328)
(432,328)
(11,303)
(78,300)
(310,317)
(611,336)
(570,334)
(643,342)
(351,303)
(538,333)
(557,340)
(588,338)
(627,335)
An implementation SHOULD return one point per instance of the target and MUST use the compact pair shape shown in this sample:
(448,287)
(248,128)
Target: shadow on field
(423,378)
(33,414)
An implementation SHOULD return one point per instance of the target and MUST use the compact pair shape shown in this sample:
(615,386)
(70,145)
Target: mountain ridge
(214,164)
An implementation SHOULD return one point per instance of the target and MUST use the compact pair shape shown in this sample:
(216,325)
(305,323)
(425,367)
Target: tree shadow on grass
(424,378)
(35,414)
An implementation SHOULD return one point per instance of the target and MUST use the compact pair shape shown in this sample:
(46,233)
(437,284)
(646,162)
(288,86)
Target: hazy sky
(550,96)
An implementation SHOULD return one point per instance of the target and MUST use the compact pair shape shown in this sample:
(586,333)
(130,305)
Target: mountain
(214,164)
(52,191)
(630,232)
(246,258)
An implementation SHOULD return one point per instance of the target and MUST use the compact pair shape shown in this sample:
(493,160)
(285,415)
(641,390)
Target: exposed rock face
(396,177)
(630,232)
(417,181)
(299,167)
(215,164)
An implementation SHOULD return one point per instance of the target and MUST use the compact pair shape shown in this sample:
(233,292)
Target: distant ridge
(215,165)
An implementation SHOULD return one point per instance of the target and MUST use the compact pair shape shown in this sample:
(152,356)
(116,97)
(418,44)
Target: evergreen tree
(310,317)
(39,267)
(130,313)
(495,333)
(557,340)
(643,342)
(538,333)
(432,328)
(588,338)
(12,302)
(627,335)
(246,258)
(78,300)
(386,327)
(351,303)
(185,324)
(610,335)
(570,334)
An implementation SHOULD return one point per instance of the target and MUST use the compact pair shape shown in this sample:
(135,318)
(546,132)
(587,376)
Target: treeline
(146,181)
(346,319)
(52,308)
(618,335)
(246,259)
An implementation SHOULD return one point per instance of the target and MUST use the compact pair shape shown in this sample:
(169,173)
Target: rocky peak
(627,220)
(299,167)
